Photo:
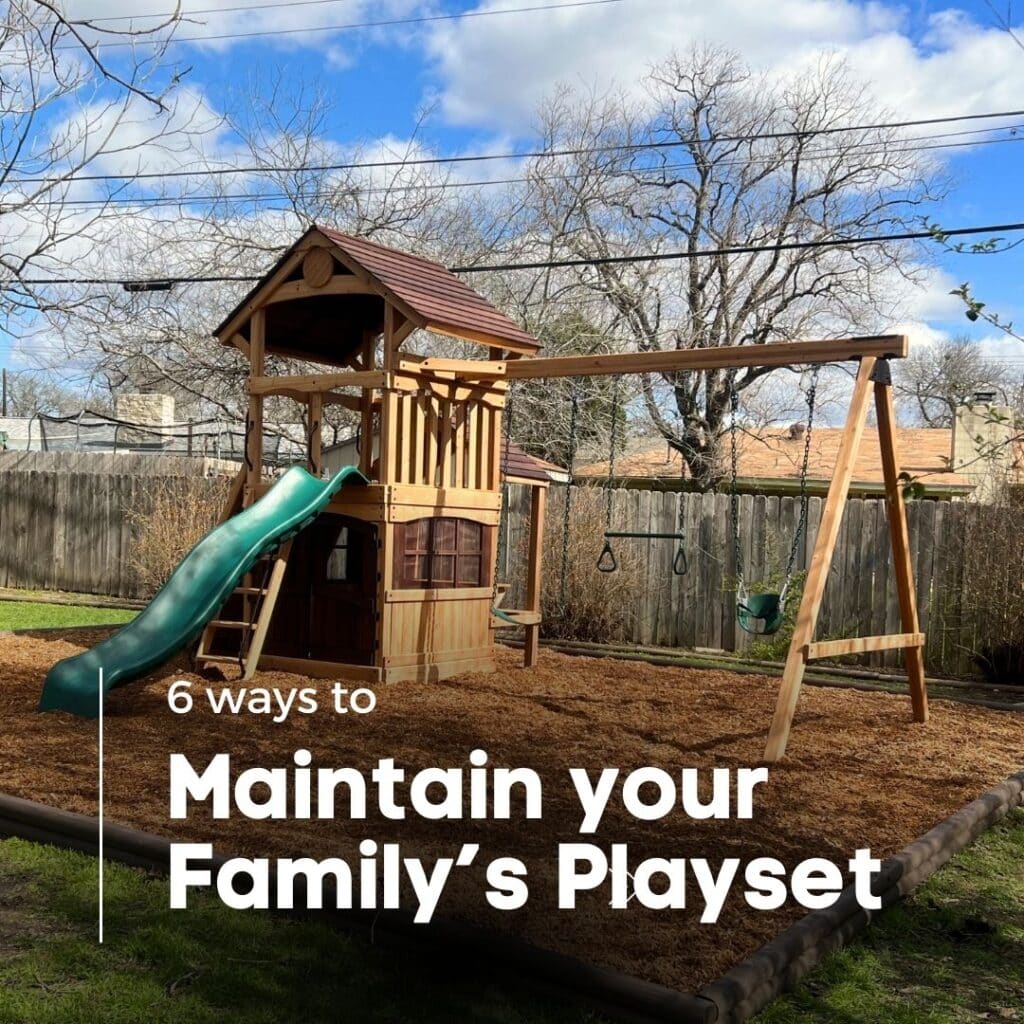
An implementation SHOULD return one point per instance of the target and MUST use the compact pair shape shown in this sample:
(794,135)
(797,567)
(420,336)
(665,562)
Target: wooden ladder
(258,604)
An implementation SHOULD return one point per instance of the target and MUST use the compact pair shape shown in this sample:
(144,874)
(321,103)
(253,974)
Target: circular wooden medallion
(317,267)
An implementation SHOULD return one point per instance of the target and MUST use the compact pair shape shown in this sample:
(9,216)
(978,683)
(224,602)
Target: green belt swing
(764,614)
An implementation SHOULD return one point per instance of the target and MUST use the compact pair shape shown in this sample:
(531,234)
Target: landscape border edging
(732,999)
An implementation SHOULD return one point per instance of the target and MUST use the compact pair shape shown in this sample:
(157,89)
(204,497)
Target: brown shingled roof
(441,300)
(518,463)
(775,454)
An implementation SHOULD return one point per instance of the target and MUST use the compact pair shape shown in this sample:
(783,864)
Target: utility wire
(185,14)
(588,261)
(347,27)
(629,147)
(243,197)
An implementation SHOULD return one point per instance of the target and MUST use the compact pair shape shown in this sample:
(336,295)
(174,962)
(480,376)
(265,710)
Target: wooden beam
(481,337)
(339,284)
(821,560)
(477,369)
(314,436)
(863,644)
(240,343)
(534,566)
(723,357)
(389,438)
(254,421)
(258,296)
(307,383)
(900,536)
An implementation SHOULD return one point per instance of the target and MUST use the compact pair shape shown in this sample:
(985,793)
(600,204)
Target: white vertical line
(100,887)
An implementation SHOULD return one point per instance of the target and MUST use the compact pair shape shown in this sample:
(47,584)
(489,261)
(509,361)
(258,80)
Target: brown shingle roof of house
(432,291)
(776,454)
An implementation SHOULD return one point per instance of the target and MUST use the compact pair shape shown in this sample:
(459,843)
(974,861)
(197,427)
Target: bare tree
(230,229)
(937,378)
(727,159)
(67,109)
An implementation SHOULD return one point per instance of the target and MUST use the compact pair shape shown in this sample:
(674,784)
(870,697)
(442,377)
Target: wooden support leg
(821,560)
(252,655)
(900,534)
(533,578)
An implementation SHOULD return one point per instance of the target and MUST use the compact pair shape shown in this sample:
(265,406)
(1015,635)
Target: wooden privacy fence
(698,609)
(74,531)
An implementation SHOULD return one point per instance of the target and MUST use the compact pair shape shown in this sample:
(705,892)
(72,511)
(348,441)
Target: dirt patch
(859,773)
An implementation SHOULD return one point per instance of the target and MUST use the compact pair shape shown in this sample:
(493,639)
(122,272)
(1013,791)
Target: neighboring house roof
(776,454)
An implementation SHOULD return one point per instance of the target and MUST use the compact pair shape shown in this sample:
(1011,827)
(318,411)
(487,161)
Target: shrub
(992,592)
(177,512)
(597,606)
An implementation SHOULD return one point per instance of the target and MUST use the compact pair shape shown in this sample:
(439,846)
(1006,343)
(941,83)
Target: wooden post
(535,553)
(389,407)
(821,560)
(896,511)
(254,422)
(366,412)
(314,438)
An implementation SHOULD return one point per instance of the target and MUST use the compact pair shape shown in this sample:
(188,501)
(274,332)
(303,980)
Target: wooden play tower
(396,580)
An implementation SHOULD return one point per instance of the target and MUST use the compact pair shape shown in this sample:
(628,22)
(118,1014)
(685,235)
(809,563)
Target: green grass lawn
(952,953)
(30,615)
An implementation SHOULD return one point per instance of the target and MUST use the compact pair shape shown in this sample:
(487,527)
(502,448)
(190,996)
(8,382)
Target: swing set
(764,613)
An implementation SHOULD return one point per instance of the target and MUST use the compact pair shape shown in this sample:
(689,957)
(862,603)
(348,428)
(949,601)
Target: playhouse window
(440,553)
(343,560)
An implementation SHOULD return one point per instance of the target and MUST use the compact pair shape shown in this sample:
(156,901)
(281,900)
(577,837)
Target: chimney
(148,410)
(982,448)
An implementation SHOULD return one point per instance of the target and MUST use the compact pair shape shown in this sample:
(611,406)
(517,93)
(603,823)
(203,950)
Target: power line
(739,250)
(347,27)
(185,14)
(204,172)
(243,197)
(588,261)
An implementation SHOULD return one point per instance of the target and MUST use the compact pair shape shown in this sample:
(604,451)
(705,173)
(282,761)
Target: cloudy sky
(480,69)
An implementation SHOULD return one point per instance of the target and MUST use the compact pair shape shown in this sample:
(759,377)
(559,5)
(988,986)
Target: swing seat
(505,618)
(761,614)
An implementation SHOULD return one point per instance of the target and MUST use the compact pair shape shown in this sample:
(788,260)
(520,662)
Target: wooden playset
(397,580)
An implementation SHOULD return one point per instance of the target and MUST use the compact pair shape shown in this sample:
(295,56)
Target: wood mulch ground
(858,774)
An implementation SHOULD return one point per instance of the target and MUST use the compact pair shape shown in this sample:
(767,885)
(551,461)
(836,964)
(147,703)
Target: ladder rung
(231,624)
(226,658)
(251,590)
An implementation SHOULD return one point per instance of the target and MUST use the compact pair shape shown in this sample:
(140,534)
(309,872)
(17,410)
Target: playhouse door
(342,622)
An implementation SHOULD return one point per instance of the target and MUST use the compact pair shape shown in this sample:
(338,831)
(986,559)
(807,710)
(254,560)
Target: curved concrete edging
(732,999)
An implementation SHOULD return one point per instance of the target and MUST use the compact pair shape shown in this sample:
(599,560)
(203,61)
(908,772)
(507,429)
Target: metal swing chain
(612,443)
(801,526)
(734,496)
(567,517)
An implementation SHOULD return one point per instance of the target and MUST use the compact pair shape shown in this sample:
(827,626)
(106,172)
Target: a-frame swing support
(873,381)
(873,378)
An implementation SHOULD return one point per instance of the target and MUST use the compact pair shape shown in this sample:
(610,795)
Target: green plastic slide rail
(195,592)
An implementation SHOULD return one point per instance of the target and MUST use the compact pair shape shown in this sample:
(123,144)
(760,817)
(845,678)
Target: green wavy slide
(194,594)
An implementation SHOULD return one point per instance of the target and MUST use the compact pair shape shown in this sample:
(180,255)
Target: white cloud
(493,71)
